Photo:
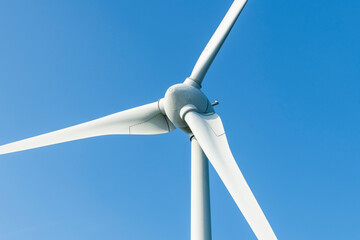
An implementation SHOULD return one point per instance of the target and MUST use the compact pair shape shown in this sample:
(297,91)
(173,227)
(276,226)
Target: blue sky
(288,82)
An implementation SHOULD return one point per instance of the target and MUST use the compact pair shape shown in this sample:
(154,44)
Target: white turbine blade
(212,48)
(143,120)
(210,134)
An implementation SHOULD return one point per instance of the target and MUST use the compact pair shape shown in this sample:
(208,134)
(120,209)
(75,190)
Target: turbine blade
(143,120)
(210,134)
(212,48)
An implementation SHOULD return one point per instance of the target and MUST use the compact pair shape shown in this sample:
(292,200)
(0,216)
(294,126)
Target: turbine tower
(186,107)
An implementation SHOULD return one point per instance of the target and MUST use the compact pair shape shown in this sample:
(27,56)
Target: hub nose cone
(179,95)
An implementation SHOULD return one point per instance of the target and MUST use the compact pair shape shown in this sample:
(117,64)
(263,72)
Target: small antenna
(215,103)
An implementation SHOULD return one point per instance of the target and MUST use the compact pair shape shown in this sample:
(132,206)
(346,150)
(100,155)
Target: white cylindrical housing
(200,195)
(180,95)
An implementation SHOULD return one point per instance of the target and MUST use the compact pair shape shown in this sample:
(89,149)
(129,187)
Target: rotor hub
(180,95)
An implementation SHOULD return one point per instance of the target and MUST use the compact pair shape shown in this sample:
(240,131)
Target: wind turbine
(186,107)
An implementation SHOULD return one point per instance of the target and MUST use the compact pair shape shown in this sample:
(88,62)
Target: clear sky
(288,82)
